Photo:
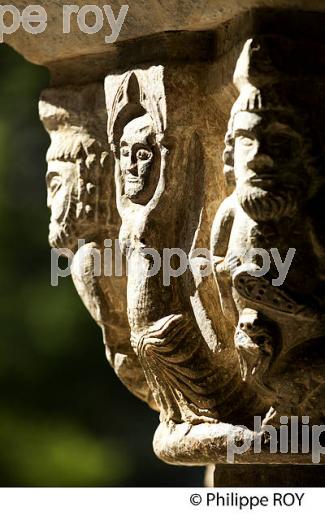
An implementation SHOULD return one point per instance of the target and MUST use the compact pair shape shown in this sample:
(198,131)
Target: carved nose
(132,168)
(133,171)
(49,201)
(261,162)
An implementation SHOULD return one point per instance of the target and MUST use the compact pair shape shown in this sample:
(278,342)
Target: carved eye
(284,145)
(143,154)
(125,152)
(245,140)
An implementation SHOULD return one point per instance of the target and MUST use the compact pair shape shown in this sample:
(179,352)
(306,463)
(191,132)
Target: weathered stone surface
(274,158)
(156,138)
(82,203)
(209,352)
(268,331)
(143,19)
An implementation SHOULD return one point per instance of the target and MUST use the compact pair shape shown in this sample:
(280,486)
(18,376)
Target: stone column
(200,151)
(269,475)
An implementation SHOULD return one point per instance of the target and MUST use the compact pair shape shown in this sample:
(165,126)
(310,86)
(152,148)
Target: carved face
(61,181)
(136,158)
(268,164)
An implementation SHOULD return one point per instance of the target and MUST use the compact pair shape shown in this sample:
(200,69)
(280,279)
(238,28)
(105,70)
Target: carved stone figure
(272,159)
(81,200)
(191,391)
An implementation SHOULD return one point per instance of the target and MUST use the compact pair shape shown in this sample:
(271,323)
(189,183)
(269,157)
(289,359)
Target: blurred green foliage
(65,419)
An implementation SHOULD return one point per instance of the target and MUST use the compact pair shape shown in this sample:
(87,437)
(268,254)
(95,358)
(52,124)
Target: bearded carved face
(61,187)
(268,165)
(137,158)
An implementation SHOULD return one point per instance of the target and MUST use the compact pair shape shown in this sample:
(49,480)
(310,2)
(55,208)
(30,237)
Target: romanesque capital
(202,174)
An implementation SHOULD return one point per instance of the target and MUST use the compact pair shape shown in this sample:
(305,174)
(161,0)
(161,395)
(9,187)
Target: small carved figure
(81,200)
(269,160)
(192,391)
(162,334)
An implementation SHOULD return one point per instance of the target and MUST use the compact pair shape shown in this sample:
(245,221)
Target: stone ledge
(141,21)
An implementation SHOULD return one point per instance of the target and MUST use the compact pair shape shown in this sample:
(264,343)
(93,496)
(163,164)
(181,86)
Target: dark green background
(65,419)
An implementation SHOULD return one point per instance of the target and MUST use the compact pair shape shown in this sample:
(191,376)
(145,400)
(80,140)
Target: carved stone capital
(213,159)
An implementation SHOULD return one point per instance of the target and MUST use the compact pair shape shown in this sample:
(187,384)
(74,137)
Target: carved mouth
(263,183)
(267,180)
